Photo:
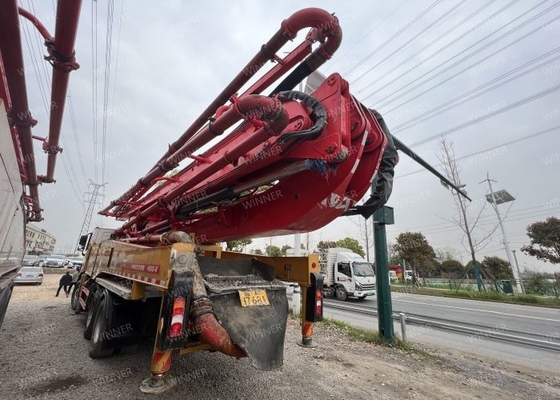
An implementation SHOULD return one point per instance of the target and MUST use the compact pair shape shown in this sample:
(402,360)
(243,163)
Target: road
(46,357)
(497,317)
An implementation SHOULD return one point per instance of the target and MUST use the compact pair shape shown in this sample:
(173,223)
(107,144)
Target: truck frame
(190,298)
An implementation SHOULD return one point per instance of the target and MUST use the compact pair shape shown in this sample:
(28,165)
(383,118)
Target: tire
(341,293)
(74,303)
(99,328)
(91,316)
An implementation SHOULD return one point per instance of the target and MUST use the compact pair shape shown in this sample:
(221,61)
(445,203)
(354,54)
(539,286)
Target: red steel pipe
(40,27)
(216,336)
(5,96)
(328,26)
(262,107)
(4,92)
(205,322)
(62,53)
(20,115)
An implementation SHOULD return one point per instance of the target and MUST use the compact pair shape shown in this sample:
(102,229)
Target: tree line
(413,249)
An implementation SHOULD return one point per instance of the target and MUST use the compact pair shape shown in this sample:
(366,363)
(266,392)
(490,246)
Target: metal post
(518,272)
(506,244)
(384,305)
(403,326)
(297,244)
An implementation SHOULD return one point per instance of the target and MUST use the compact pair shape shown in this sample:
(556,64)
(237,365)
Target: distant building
(38,241)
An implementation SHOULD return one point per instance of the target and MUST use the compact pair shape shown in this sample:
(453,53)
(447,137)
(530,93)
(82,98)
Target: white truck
(346,274)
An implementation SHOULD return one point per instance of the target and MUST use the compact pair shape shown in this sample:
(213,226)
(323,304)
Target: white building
(38,241)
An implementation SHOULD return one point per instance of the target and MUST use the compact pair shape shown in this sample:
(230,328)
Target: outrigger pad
(257,329)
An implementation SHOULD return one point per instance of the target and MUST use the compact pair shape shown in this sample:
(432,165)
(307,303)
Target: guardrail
(467,328)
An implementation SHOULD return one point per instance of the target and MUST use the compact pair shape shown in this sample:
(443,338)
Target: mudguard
(259,330)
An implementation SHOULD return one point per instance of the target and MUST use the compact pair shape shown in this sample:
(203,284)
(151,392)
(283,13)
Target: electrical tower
(90,208)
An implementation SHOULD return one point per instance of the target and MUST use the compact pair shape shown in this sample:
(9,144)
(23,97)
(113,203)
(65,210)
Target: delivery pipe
(328,27)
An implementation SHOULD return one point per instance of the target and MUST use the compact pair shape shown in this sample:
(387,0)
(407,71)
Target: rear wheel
(341,293)
(74,301)
(91,315)
(99,332)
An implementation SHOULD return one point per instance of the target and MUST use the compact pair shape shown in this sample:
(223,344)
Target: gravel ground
(44,356)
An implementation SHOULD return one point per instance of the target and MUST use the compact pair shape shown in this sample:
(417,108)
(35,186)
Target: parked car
(30,275)
(42,258)
(76,263)
(55,261)
(30,260)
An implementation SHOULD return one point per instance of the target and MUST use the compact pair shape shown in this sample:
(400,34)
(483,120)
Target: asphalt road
(519,318)
(497,317)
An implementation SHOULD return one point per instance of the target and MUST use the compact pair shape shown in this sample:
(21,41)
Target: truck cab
(347,274)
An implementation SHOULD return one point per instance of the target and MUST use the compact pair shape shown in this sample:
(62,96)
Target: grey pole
(506,244)
(519,273)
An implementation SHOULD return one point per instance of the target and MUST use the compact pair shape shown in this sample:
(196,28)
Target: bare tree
(464,221)
(366,233)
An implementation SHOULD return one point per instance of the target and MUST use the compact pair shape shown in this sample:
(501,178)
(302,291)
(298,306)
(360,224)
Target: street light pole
(494,204)
(519,273)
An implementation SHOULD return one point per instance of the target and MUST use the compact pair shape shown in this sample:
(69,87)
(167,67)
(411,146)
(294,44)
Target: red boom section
(326,29)
(255,184)
(13,90)
(288,162)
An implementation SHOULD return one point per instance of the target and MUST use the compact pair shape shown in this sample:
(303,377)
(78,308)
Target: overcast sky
(170,59)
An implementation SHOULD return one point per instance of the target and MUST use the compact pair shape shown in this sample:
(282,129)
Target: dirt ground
(43,349)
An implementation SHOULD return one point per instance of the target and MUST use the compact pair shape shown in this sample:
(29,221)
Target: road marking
(477,309)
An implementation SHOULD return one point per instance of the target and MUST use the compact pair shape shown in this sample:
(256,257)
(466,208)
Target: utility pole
(383,216)
(91,207)
(494,200)
(519,273)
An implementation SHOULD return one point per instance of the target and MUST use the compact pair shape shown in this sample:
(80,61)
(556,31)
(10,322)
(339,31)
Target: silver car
(55,261)
(30,275)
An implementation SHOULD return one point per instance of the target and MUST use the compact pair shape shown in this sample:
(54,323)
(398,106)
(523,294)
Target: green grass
(353,333)
(484,296)
(369,336)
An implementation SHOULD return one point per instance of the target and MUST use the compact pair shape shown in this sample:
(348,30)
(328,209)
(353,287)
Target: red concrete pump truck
(287,162)
(279,163)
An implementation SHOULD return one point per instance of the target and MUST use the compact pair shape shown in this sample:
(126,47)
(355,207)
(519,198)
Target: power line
(383,20)
(425,60)
(94,85)
(487,220)
(409,42)
(399,32)
(463,98)
(75,135)
(487,116)
(107,81)
(469,56)
(549,130)
(116,68)
(415,54)
(464,69)
(429,226)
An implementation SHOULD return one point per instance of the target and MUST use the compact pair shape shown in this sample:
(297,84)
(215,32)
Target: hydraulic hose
(319,115)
